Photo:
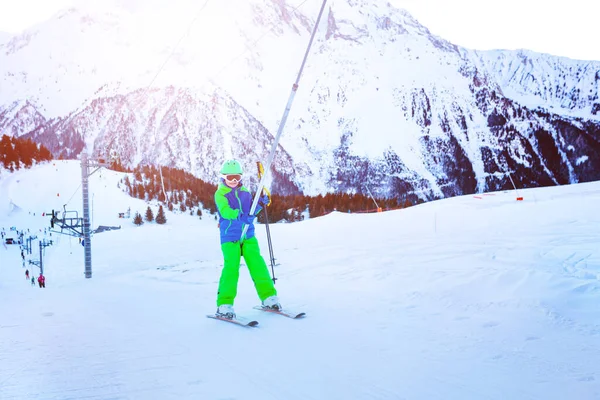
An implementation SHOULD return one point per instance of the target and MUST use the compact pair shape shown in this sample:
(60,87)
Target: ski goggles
(233,178)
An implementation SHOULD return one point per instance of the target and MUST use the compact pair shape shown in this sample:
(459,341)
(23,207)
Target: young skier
(26,274)
(233,202)
(42,281)
(32,281)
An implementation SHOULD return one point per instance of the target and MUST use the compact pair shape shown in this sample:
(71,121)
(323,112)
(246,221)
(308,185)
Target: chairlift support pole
(41,259)
(40,263)
(286,112)
(86,164)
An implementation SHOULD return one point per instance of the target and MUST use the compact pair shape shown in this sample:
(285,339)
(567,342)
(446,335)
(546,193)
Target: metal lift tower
(86,165)
(80,227)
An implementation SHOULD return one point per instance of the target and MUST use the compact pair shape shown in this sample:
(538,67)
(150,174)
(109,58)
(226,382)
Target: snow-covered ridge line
(563,85)
(382,104)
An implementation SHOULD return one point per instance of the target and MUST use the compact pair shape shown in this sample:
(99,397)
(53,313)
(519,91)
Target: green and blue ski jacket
(231,203)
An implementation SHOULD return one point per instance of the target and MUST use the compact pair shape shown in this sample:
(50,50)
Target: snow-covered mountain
(382,102)
(539,80)
(180,118)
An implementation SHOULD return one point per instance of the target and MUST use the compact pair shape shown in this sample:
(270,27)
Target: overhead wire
(234,59)
(253,44)
(187,31)
(225,66)
(73,195)
(162,66)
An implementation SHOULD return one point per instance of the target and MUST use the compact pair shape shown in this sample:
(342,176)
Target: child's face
(232,180)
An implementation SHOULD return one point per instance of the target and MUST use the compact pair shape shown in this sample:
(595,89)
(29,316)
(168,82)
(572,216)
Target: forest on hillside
(18,153)
(180,190)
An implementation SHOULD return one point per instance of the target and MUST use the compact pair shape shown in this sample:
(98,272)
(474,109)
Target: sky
(559,28)
(20,15)
(473,297)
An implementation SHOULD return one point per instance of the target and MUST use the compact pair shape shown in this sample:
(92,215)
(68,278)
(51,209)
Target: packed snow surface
(479,297)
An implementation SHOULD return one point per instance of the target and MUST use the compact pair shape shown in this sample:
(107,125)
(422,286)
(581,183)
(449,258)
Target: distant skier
(27,274)
(32,281)
(233,202)
(42,281)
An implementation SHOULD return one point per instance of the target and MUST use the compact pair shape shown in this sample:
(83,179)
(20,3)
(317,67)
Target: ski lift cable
(187,31)
(288,106)
(73,195)
(252,45)
(225,66)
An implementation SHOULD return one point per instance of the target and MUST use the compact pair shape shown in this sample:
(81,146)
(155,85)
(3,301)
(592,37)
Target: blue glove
(247,219)
(264,200)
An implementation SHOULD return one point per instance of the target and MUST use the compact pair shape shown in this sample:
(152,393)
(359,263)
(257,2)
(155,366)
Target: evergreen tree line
(187,193)
(184,191)
(16,153)
(291,208)
(160,216)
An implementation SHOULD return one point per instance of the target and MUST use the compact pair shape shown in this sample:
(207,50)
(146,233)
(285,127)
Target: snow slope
(4,37)
(465,298)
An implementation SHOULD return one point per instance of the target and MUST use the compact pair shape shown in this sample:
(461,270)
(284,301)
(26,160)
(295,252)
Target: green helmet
(231,167)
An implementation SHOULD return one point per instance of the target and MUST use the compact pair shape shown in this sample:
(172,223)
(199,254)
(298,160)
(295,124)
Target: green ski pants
(232,252)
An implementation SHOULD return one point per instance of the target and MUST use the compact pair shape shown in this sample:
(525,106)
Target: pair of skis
(243,321)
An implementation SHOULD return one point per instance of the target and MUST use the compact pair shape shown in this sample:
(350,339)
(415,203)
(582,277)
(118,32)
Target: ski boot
(225,311)
(272,303)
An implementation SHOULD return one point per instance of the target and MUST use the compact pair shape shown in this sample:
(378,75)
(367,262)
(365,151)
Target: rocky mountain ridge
(383,105)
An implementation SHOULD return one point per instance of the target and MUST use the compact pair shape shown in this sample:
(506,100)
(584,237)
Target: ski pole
(260,173)
(270,246)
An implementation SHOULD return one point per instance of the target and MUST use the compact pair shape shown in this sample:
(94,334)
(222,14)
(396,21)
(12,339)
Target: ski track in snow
(456,299)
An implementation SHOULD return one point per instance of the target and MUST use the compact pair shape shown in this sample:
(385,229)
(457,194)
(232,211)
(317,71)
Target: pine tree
(149,214)
(141,192)
(116,165)
(45,154)
(138,219)
(160,216)
(7,152)
(127,183)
